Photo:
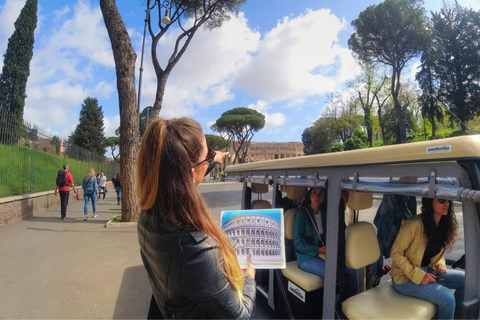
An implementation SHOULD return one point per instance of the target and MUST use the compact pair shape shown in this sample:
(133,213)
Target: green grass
(117,218)
(26,170)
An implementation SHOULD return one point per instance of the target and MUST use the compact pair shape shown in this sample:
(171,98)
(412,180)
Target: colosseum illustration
(255,234)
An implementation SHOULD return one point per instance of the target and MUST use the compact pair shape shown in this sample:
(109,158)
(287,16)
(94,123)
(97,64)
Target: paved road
(72,269)
(78,269)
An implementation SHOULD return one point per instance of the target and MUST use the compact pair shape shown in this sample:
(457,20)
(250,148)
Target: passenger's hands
(219,156)
(428,278)
(250,270)
(440,268)
(322,249)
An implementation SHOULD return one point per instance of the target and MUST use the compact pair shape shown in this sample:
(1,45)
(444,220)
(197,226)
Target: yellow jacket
(407,252)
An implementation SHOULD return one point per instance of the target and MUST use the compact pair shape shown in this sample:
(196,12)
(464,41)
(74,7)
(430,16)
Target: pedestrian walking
(63,184)
(117,186)
(102,185)
(90,192)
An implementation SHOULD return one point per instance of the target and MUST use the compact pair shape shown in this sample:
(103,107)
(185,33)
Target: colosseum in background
(255,234)
(259,151)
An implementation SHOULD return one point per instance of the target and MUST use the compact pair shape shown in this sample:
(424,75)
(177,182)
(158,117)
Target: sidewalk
(73,269)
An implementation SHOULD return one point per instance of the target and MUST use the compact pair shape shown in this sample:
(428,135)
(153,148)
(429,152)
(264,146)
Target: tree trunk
(395,88)
(125,58)
(161,84)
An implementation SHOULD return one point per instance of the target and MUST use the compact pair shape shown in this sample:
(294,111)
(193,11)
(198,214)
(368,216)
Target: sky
(282,58)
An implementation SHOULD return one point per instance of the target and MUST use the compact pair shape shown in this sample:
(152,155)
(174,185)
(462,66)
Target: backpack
(62,178)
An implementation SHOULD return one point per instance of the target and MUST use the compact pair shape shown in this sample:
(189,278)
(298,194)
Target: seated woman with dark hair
(419,268)
(310,238)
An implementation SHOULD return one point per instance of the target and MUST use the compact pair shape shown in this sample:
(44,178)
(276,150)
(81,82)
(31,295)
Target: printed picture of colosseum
(258,233)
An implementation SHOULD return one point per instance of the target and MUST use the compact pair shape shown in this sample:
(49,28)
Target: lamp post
(166,20)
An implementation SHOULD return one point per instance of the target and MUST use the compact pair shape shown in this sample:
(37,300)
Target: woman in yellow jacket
(419,268)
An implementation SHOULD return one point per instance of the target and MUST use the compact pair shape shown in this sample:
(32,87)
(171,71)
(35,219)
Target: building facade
(260,151)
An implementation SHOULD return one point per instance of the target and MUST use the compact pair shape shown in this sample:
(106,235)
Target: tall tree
(216,142)
(429,85)
(368,86)
(391,33)
(113,143)
(56,142)
(342,116)
(240,123)
(89,133)
(456,47)
(319,138)
(390,121)
(16,63)
(190,15)
(125,58)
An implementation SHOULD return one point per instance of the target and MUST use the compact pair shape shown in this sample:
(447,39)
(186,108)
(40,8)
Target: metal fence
(30,159)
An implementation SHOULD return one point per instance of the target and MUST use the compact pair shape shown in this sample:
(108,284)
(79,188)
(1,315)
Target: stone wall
(18,208)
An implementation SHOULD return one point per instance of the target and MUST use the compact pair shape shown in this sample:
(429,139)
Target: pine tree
(16,65)
(89,133)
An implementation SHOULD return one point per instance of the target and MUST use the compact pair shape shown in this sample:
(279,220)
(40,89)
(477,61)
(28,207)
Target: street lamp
(166,20)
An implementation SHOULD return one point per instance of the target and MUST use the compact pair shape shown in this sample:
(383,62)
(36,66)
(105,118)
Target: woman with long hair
(310,238)
(192,266)
(419,268)
(90,192)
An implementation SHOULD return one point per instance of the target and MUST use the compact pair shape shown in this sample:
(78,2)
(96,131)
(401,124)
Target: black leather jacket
(185,276)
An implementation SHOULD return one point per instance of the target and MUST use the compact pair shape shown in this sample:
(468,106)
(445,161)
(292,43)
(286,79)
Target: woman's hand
(428,278)
(322,249)
(219,156)
(250,270)
(440,268)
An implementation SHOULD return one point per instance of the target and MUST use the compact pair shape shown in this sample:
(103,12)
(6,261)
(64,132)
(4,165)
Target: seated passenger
(419,268)
(310,237)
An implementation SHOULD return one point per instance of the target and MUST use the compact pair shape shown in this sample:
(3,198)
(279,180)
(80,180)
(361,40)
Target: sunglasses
(442,201)
(210,157)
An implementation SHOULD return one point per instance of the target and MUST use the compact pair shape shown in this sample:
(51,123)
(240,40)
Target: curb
(110,224)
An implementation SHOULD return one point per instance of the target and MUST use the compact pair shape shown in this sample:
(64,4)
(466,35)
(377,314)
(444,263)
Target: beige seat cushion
(289,220)
(261,204)
(383,302)
(305,280)
(360,200)
(259,188)
(361,245)
(296,193)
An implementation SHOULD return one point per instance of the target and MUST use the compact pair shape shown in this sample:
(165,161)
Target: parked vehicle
(447,169)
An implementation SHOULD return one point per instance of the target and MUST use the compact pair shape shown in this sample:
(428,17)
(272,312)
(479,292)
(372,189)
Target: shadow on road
(134,295)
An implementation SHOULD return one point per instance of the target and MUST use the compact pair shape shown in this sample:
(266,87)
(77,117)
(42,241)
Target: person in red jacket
(65,192)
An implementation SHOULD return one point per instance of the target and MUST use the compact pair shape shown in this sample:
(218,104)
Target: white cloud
(273,121)
(71,52)
(298,58)
(8,14)
(233,65)
(111,124)
(202,77)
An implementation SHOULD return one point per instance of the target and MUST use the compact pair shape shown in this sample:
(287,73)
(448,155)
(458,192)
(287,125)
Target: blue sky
(279,57)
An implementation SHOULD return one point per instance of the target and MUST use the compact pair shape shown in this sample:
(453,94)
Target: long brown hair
(448,225)
(169,151)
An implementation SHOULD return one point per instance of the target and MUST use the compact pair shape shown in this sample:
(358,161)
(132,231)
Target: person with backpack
(63,183)
(90,191)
